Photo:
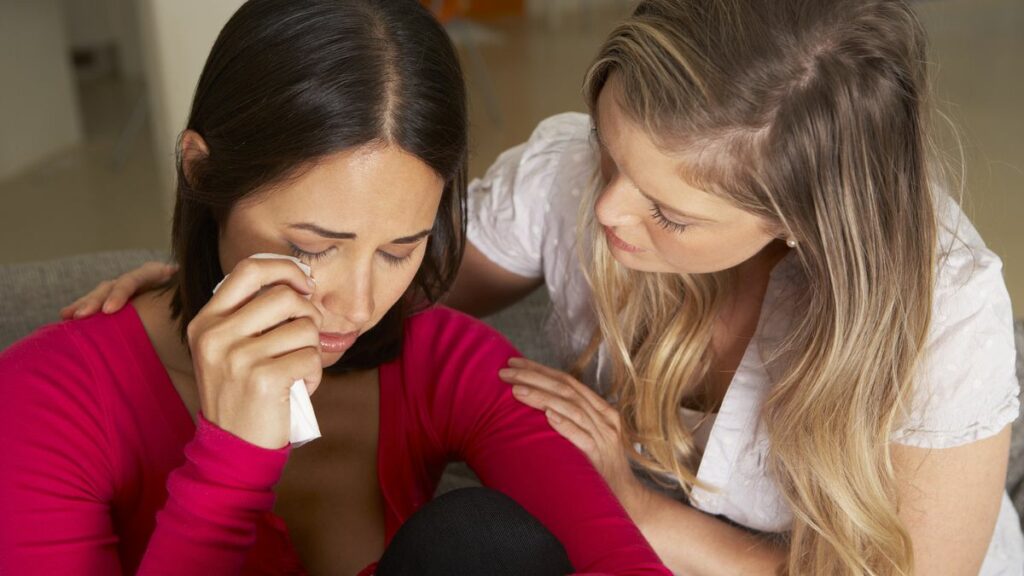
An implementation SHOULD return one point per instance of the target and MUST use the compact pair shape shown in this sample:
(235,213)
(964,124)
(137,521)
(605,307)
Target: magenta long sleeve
(443,400)
(103,472)
(214,505)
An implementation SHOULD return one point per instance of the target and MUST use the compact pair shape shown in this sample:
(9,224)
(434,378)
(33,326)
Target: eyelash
(311,257)
(395,261)
(656,212)
(664,222)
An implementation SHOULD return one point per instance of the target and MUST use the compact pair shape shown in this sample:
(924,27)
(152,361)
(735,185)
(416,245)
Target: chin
(328,360)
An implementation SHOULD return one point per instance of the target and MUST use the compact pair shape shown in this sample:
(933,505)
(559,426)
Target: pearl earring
(791,243)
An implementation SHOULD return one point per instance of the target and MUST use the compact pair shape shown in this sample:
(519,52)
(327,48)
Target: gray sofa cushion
(32,294)
(523,325)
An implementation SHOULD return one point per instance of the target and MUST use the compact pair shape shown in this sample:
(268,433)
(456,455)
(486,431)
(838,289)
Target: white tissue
(304,427)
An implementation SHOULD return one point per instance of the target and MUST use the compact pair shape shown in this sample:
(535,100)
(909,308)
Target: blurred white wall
(176,38)
(38,107)
(100,23)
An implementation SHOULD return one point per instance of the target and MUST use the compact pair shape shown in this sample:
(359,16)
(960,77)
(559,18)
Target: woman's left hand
(582,417)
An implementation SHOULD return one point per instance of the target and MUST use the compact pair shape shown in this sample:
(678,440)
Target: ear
(193,149)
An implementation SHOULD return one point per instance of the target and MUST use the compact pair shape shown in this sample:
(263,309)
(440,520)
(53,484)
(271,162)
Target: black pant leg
(474,531)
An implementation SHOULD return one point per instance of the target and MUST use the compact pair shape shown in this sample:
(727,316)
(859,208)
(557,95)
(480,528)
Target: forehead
(625,138)
(372,188)
(663,176)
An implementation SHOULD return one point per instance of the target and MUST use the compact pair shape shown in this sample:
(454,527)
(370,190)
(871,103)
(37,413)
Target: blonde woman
(792,332)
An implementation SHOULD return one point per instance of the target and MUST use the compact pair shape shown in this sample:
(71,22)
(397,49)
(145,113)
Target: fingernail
(506,373)
(553,417)
(520,391)
(517,362)
(107,308)
(79,313)
(310,282)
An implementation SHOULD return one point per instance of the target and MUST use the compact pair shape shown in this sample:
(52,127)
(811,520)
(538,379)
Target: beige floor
(84,200)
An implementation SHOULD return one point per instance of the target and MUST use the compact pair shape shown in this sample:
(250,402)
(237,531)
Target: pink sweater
(103,471)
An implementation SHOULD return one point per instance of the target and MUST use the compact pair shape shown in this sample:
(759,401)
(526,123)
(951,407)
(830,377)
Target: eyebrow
(414,238)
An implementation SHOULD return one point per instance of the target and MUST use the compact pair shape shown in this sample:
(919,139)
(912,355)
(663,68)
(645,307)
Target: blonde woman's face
(653,220)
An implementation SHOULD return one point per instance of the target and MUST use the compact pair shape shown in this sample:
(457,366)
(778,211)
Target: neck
(154,309)
(751,279)
(762,263)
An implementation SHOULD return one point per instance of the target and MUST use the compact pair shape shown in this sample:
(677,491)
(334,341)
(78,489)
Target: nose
(349,296)
(618,205)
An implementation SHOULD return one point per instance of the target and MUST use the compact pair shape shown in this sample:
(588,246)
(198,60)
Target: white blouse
(523,216)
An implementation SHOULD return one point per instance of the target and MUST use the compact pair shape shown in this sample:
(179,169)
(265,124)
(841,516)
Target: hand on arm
(111,295)
(687,540)
(513,450)
(949,498)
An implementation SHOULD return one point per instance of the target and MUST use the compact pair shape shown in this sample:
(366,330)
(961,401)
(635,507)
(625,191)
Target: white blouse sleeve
(509,207)
(967,387)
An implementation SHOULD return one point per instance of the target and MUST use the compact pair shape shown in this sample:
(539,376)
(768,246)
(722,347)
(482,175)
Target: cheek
(229,249)
(702,250)
(393,283)
(240,237)
(676,252)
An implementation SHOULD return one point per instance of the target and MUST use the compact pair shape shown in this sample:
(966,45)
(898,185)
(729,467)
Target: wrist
(636,498)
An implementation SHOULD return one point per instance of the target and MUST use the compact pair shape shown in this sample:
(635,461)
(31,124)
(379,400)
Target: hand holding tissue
(304,426)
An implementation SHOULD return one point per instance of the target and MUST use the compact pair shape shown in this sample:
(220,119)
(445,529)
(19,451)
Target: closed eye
(396,261)
(664,222)
(311,257)
(308,256)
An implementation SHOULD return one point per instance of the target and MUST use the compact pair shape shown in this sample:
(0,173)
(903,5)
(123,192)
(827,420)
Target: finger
(574,434)
(554,373)
(600,425)
(68,311)
(211,337)
(284,339)
(276,305)
(124,288)
(595,399)
(275,376)
(149,275)
(250,276)
(577,411)
(91,302)
(536,379)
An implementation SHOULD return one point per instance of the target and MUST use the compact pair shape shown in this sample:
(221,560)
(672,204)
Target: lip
(335,342)
(619,243)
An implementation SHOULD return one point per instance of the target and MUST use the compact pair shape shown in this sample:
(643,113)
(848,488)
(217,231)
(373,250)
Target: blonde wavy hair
(811,114)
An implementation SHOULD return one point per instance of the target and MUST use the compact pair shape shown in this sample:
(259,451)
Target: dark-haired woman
(152,440)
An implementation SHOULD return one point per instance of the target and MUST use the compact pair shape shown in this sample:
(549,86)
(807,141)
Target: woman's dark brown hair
(291,81)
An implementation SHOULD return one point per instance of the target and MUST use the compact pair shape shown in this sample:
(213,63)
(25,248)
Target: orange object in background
(475,8)
(492,8)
